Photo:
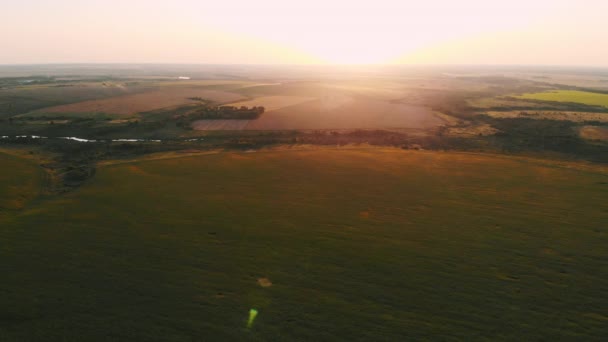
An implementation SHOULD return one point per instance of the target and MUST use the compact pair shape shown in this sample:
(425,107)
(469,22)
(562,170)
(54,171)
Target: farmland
(177,220)
(401,245)
(382,171)
(551,115)
(331,105)
(588,98)
(340,112)
(148,101)
(334,110)
(295,105)
(23,99)
(422,102)
(465,109)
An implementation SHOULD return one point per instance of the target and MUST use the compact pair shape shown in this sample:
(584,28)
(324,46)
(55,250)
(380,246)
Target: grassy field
(20,182)
(588,98)
(379,245)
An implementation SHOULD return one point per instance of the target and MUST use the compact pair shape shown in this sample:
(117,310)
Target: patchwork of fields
(291,106)
(115,108)
(340,112)
(25,99)
(133,104)
(346,244)
(309,105)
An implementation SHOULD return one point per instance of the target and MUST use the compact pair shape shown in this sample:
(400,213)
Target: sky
(521,32)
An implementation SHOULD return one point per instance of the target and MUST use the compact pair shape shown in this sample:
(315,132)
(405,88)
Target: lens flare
(252,315)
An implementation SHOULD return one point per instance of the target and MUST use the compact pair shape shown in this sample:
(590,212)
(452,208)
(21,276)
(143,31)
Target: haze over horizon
(520,32)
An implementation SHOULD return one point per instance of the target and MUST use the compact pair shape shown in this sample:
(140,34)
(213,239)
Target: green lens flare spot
(252,315)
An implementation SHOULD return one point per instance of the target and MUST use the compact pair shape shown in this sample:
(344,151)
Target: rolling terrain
(349,244)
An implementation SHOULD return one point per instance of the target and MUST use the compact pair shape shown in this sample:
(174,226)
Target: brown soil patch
(364,214)
(548,251)
(136,170)
(594,132)
(264,282)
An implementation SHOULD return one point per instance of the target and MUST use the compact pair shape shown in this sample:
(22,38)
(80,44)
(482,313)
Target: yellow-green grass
(584,97)
(20,182)
(377,245)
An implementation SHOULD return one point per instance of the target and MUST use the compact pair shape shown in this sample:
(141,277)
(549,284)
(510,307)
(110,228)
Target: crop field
(327,244)
(214,84)
(332,105)
(298,89)
(375,89)
(386,94)
(136,103)
(585,80)
(343,112)
(24,99)
(583,97)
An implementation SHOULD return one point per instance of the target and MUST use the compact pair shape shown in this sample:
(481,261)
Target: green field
(369,244)
(584,97)
(20,182)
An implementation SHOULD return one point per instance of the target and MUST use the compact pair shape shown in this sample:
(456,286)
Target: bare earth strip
(594,133)
(131,104)
(220,125)
(343,112)
(552,115)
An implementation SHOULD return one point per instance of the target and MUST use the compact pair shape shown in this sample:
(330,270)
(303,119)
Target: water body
(88,140)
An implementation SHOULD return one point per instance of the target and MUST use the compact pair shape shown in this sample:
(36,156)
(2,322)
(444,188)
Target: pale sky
(548,32)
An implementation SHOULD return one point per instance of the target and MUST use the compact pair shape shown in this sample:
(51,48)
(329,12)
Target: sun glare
(308,32)
(346,32)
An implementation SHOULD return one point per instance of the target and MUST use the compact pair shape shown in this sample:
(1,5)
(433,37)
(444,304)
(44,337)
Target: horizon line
(314,64)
